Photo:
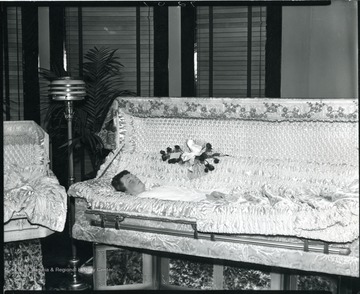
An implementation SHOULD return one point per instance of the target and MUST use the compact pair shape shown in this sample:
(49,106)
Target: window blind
(223,41)
(127,29)
(13,81)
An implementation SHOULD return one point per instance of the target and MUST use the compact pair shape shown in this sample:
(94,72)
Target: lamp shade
(67,89)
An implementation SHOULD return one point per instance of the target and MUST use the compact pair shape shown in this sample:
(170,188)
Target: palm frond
(102,73)
(103,77)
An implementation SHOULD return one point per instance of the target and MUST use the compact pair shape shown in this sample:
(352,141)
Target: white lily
(195,150)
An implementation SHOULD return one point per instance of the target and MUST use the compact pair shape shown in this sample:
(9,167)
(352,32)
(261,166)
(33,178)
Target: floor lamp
(68,90)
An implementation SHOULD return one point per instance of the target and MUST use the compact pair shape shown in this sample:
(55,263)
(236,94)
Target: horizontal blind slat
(115,27)
(230,50)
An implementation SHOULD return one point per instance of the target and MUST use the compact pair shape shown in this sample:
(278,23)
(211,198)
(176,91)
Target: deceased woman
(129,183)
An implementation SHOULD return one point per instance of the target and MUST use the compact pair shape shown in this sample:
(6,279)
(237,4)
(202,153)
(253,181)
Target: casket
(35,204)
(288,169)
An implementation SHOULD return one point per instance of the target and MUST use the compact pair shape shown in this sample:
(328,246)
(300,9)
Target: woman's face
(132,184)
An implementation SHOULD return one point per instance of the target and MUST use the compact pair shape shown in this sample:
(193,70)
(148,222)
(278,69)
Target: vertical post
(69,114)
(100,267)
(4,62)
(188,16)
(30,49)
(148,271)
(163,269)
(249,51)
(44,37)
(218,276)
(276,281)
(290,282)
(56,28)
(69,90)
(211,51)
(273,51)
(44,53)
(174,51)
(161,51)
(138,52)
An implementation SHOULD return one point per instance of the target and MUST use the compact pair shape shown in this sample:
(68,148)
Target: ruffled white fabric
(235,251)
(174,193)
(36,194)
(31,189)
(268,197)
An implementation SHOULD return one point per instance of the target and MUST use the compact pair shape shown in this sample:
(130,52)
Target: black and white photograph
(180,145)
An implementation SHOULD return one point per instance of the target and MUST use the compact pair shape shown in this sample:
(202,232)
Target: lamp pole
(69,90)
(69,115)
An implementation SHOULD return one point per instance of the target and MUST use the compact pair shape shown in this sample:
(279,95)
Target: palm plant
(103,78)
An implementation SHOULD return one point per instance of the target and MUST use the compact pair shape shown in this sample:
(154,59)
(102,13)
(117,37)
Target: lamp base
(76,283)
(78,286)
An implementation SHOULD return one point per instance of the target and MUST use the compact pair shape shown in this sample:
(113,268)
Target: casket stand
(291,176)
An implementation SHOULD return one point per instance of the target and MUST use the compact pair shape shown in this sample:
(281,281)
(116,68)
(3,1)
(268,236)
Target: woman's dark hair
(117,183)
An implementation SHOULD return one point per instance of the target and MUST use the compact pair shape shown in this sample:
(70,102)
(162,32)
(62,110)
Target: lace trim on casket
(245,109)
(25,143)
(36,193)
(23,132)
(126,143)
(108,132)
(25,154)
